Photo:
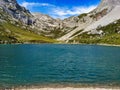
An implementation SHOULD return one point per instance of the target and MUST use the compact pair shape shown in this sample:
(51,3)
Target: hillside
(110,35)
(18,25)
(11,34)
(106,13)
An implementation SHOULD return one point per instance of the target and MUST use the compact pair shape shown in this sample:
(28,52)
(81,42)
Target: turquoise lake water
(58,64)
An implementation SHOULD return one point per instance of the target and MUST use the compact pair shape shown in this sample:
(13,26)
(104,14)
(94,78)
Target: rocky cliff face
(107,4)
(17,24)
(11,11)
(104,8)
(15,11)
(45,22)
(48,26)
(106,13)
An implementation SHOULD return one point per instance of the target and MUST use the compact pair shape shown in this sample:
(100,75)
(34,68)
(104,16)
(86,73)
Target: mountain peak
(12,9)
(9,1)
(110,2)
(107,4)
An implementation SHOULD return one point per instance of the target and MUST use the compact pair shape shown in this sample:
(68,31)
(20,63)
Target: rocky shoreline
(65,87)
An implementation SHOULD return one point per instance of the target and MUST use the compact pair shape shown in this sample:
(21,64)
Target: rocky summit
(107,4)
(106,13)
(15,11)
(74,29)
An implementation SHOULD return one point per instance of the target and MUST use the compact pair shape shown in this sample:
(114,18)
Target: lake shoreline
(68,88)
(100,44)
(65,87)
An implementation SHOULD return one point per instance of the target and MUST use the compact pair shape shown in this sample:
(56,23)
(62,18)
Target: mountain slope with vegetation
(110,35)
(18,25)
(106,13)
(9,33)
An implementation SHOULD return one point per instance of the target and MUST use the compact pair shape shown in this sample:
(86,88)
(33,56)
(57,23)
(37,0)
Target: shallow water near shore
(50,64)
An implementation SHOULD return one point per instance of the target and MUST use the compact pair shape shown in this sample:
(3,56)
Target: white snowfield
(107,19)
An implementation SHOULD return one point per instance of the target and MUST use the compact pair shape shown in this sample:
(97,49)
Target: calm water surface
(50,64)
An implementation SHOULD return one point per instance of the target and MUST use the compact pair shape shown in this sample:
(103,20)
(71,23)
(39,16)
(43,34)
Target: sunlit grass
(23,35)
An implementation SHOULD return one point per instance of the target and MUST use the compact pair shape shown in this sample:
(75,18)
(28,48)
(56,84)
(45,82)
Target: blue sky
(60,8)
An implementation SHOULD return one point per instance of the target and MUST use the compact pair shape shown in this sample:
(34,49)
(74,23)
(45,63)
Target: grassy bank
(12,34)
(110,35)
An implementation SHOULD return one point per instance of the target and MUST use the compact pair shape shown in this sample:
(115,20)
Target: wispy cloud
(33,4)
(61,12)
(57,11)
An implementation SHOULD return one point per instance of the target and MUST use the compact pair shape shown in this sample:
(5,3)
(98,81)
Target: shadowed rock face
(13,9)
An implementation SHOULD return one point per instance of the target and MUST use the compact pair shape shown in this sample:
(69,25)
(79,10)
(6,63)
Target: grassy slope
(13,34)
(111,36)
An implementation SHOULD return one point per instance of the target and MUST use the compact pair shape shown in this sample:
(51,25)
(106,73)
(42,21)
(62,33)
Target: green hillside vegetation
(111,35)
(12,34)
(82,15)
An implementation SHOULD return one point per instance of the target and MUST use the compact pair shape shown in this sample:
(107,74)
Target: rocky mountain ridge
(106,13)
(62,30)
(41,24)
(17,24)
(16,12)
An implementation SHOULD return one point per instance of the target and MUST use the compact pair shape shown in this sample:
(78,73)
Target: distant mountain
(18,25)
(48,26)
(39,23)
(106,13)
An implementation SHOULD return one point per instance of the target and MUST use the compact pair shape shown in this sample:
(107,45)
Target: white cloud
(57,11)
(65,12)
(33,4)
